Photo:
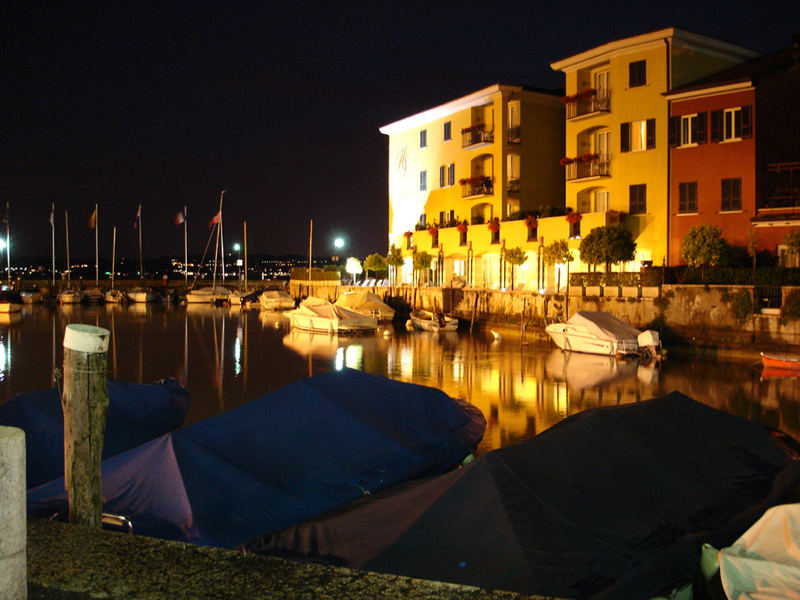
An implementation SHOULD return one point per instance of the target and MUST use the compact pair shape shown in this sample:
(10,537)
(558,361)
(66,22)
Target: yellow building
(616,156)
(455,168)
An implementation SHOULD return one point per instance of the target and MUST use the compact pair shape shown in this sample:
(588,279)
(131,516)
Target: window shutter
(716,125)
(747,121)
(702,128)
(673,130)
(624,137)
(651,134)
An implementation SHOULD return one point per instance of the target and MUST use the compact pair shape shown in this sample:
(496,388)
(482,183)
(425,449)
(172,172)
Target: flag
(180,218)
(52,216)
(93,219)
(215,219)
(138,216)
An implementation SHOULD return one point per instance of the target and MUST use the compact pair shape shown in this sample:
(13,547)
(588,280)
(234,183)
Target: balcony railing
(582,168)
(476,186)
(513,185)
(514,135)
(473,136)
(588,102)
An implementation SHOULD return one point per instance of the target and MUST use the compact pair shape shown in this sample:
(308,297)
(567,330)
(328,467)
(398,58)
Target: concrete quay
(68,562)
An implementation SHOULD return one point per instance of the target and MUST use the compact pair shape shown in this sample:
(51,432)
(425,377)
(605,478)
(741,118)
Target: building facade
(461,175)
(735,154)
(616,155)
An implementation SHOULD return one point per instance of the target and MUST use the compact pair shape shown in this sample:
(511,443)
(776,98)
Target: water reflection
(227,357)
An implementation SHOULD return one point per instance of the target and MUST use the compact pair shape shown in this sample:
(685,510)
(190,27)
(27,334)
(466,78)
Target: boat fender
(648,354)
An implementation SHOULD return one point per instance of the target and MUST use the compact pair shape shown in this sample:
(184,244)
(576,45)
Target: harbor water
(226,357)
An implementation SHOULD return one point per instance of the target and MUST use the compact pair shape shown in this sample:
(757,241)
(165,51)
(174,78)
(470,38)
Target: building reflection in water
(227,357)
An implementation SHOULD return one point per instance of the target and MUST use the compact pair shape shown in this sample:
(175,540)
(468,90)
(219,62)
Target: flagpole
(221,241)
(245,257)
(185,251)
(53,241)
(310,232)
(66,230)
(8,247)
(96,255)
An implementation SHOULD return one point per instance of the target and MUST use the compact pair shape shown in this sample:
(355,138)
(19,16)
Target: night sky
(279,104)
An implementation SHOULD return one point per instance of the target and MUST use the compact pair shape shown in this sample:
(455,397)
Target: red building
(735,153)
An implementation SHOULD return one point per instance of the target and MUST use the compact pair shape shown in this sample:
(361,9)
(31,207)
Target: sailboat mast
(221,244)
(139,227)
(53,241)
(245,256)
(96,254)
(66,228)
(310,233)
(113,256)
(8,247)
(185,251)
(216,249)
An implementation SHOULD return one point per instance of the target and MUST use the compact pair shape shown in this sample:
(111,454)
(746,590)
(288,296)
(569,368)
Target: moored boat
(316,314)
(366,303)
(69,296)
(141,295)
(31,296)
(92,296)
(276,300)
(115,296)
(596,332)
(208,295)
(426,320)
(780,361)
(10,301)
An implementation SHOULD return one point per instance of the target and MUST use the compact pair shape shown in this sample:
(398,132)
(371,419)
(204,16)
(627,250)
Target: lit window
(637,136)
(687,192)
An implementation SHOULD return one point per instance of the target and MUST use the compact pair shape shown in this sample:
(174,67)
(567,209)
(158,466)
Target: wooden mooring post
(85,404)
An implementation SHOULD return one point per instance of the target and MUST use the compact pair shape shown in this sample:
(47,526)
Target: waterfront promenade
(67,562)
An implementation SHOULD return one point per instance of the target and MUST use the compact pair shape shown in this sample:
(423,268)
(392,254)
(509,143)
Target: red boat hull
(781,361)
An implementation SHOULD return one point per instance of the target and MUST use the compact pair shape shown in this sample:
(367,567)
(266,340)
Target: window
(637,73)
(423,181)
(441,177)
(451,174)
(601,200)
(637,136)
(638,199)
(447,131)
(447,218)
(731,194)
(687,130)
(731,124)
(687,192)
(423,138)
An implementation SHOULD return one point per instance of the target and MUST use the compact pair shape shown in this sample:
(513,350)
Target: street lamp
(338,244)
(238,248)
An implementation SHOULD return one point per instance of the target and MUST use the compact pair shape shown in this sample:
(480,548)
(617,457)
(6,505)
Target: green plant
(742,307)
(790,311)
(703,247)
(515,257)
(608,245)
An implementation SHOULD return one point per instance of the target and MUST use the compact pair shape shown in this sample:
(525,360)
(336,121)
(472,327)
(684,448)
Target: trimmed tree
(375,263)
(703,247)
(515,257)
(608,245)
(422,262)
(558,253)
(792,242)
(395,260)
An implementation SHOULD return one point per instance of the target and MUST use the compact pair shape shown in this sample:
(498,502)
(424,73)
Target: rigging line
(202,260)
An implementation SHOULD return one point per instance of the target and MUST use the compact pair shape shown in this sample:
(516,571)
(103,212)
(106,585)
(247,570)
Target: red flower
(408,234)
(531,222)
(494,225)
(462,227)
(565,161)
(433,230)
(573,217)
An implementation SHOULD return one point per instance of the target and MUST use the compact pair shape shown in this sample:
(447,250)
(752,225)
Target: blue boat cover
(612,502)
(283,458)
(137,413)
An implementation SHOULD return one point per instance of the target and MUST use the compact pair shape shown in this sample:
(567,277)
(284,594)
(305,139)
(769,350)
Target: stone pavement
(67,562)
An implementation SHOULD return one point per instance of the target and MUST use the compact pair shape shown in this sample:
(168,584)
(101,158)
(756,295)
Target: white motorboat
(141,295)
(115,296)
(208,295)
(426,320)
(10,301)
(316,314)
(596,332)
(276,300)
(69,296)
(366,303)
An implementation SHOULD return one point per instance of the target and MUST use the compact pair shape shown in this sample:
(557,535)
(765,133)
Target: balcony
(587,166)
(514,135)
(513,185)
(476,135)
(588,102)
(476,186)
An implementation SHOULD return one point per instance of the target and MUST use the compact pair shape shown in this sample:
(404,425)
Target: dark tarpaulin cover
(286,457)
(137,413)
(612,502)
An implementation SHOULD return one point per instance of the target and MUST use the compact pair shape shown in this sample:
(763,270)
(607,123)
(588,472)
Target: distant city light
(338,242)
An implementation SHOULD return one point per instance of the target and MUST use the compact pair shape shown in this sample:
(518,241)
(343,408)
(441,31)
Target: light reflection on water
(227,357)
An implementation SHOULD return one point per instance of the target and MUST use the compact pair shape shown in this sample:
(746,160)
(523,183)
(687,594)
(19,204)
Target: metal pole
(310,234)
(96,254)
(53,242)
(245,257)
(185,251)
(139,227)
